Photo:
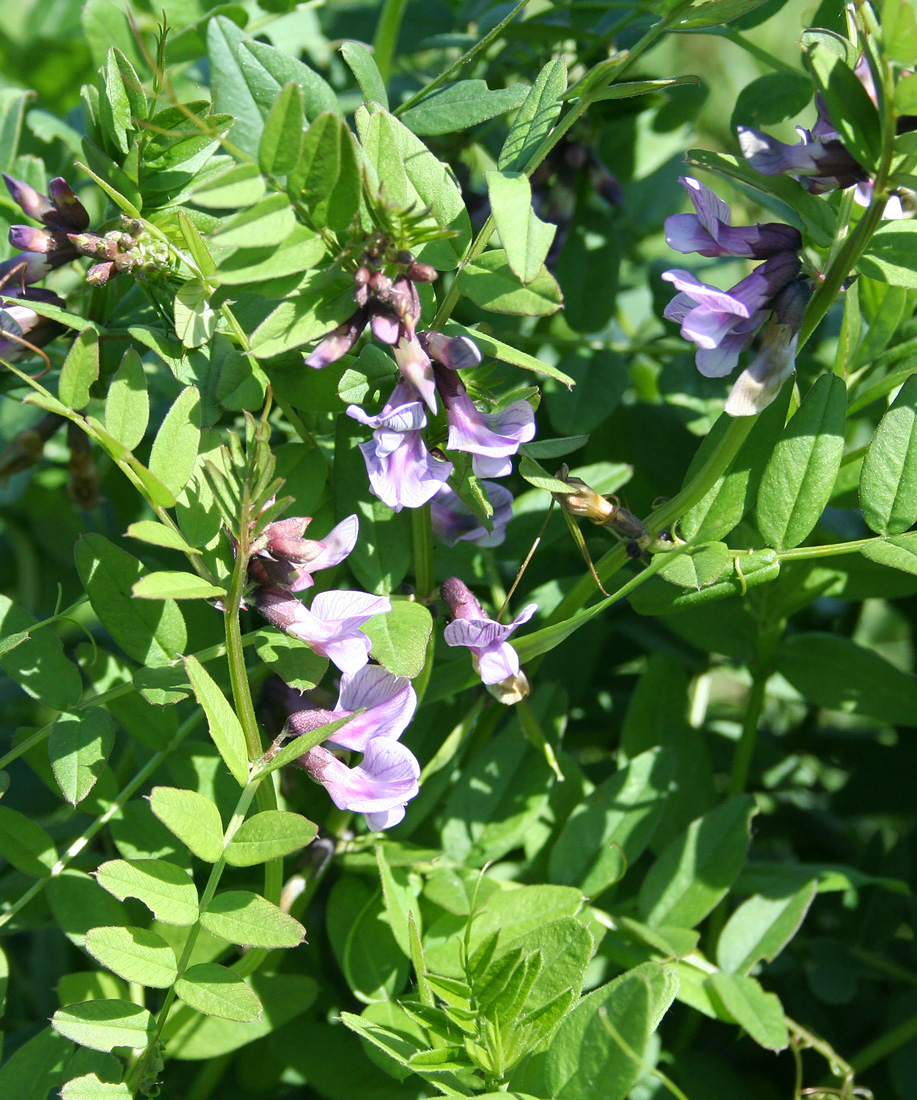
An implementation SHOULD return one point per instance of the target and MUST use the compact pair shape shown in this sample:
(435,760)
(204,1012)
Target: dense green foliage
(672,857)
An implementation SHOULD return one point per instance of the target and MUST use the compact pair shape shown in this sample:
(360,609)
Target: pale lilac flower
(286,561)
(454,521)
(493,657)
(723,323)
(379,786)
(389,702)
(416,369)
(454,352)
(709,231)
(402,472)
(761,381)
(331,627)
(490,438)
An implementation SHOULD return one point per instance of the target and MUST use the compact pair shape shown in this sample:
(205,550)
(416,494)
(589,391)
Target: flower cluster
(386,778)
(64,235)
(493,658)
(282,564)
(819,160)
(724,323)
(403,471)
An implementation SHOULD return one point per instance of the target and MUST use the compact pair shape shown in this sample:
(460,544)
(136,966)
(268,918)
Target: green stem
(756,51)
(422,538)
(464,60)
(242,696)
(386,36)
(885,1045)
(768,638)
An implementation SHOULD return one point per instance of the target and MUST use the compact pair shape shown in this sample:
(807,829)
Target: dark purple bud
(460,600)
(28,238)
(32,203)
(70,212)
(99,274)
(404,258)
(421,273)
(380,286)
(339,341)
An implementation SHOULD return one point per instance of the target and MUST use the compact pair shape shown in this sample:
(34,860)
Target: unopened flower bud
(404,257)
(454,352)
(460,600)
(28,238)
(582,499)
(99,274)
(421,273)
(380,285)
(27,198)
(69,211)
(339,341)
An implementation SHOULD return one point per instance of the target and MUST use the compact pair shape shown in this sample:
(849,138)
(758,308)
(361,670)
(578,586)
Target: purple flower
(454,352)
(454,521)
(760,382)
(723,323)
(402,472)
(379,786)
(389,702)
(821,161)
(416,369)
(62,214)
(494,659)
(709,231)
(20,323)
(332,625)
(286,561)
(339,341)
(491,438)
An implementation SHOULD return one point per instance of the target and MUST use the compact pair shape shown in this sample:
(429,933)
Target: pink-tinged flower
(494,659)
(379,786)
(761,381)
(332,625)
(723,323)
(416,369)
(339,341)
(491,438)
(709,231)
(286,561)
(402,472)
(454,521)
(454,352)
(389,702)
